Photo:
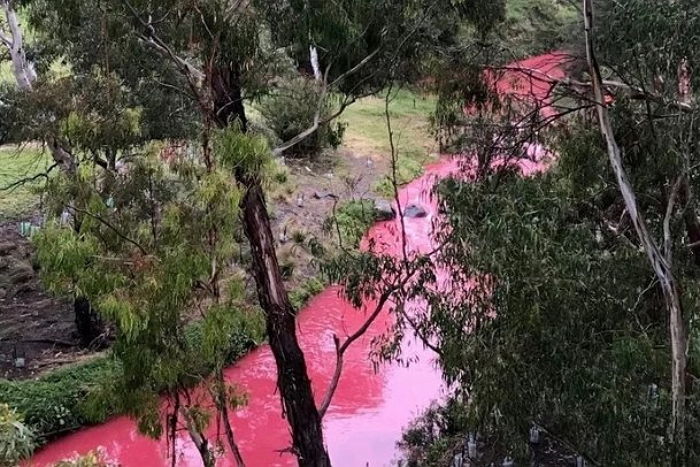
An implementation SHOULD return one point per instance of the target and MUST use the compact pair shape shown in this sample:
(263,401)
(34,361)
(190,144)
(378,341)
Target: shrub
(291,110)
(351,220)
(16,439)
(301,295)
(91,459)
(55,403)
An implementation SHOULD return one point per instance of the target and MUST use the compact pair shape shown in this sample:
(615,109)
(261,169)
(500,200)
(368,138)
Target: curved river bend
(370,409)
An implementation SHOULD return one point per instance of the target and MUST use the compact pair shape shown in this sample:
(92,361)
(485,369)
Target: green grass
(351,220)
(410,120)
(17,164)
(6,73)
(535,26)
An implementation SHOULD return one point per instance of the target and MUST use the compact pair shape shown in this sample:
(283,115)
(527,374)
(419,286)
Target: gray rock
(324,195)
(414,211)
(383,210)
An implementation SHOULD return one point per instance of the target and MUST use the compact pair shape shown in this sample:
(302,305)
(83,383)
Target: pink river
(371,408)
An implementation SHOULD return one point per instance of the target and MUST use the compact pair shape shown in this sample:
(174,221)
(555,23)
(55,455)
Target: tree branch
(111,227)
(341,349)
(23,181)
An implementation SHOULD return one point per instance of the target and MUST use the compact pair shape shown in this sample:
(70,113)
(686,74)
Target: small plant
(299,237)
(287,269)
(91,459)
(351,221)
(17,441)
(306,291)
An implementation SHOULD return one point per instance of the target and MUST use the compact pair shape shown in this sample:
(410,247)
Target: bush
(55,403)
(291,110)
(309,289)
(91,459)
(351,221)
(16,439)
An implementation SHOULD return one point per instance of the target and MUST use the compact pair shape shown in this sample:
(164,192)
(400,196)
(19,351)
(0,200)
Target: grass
(6,72)
(16,164)
(535,26)
(410,120)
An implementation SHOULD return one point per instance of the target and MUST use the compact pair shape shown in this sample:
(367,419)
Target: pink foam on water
(370,409)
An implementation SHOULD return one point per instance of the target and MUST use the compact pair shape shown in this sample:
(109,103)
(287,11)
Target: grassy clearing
(16,164)
(410,114)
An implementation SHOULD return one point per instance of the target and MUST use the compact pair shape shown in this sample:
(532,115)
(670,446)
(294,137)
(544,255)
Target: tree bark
(23,69)
(292,376)
(88,323)
(313,54)
(660,263)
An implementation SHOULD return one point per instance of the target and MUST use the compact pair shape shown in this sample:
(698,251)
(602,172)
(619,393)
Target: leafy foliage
(57,402)
(91,459)
(148,267)
(351,221)
(309,289)
(16,440)
(292,109)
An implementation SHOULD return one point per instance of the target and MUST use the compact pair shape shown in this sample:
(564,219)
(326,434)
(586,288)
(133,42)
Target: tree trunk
(661,264)
(292,377)
(313,53)
(199,440)
(22,68)
(89,324)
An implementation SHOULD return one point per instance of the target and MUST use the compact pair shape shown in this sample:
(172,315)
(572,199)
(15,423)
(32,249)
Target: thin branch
(667,220)
(111,227)
(341,349)
(193,73)
(394,176)
(23,181)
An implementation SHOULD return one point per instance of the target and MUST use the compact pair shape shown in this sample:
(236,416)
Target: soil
(39,327)
(34,325)
(336,177)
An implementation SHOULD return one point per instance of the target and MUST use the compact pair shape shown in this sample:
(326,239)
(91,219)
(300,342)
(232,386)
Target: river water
(371,408)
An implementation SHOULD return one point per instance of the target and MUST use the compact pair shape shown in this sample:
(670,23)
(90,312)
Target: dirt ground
(40,328)
(34,326)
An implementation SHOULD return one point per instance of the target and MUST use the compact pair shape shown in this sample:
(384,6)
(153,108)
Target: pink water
(370,409)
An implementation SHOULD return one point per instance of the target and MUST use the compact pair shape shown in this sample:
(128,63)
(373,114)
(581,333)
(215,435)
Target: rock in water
(414,211)
(383,210)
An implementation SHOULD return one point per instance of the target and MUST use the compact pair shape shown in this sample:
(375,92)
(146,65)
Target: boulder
(415,211)
(383,210)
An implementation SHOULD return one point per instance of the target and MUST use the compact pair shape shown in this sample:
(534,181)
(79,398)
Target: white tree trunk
(314,63)
(13,39)
(660,263)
